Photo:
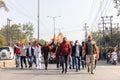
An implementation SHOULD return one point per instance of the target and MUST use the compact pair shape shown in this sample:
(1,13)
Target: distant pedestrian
(91,52)
(65,50)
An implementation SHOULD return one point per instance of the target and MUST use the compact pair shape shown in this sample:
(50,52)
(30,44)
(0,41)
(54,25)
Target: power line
(18,7)
(91,10)
(19,12)
(107,7)
(102,9)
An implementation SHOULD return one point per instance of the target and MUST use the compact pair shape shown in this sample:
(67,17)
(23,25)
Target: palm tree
(2,5)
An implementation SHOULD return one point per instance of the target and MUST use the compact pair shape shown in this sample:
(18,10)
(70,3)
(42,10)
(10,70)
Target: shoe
(92,73)
(45,68)
(25,66)
(70,67)
(62,72)
(65,71)
(21,67)
(88,70)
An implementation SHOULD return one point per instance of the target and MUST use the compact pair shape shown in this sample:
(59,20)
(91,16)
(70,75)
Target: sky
(73,15)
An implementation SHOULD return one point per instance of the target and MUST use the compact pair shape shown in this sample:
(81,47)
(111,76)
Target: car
(6,52)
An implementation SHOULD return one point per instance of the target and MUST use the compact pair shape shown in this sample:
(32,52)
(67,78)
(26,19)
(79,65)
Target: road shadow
(50,71)
(104,63)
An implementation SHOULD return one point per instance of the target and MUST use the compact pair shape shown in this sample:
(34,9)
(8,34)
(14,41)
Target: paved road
(102,72)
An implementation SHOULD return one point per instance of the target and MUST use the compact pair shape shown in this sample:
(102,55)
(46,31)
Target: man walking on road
(65,50)
(91,51)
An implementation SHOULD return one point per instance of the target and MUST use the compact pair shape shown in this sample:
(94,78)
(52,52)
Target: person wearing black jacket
(30,54)
(72,58)
(45,50)
(78,54)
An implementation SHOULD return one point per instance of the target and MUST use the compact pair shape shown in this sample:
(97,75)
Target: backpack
(90,47)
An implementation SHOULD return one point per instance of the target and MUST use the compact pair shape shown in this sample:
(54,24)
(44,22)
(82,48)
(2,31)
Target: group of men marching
(65,52)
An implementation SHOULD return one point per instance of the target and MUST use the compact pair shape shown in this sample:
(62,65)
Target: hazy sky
(74,14)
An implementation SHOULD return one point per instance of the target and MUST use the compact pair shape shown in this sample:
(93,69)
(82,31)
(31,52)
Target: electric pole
(86,33)
(110,18)
(38,21)
(54,17)
(107,20)
(8,31)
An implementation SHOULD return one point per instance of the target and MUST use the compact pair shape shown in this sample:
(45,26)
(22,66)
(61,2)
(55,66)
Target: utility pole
(54,17)
(8,31)
(38,21)
(110,17)
(103,24)
(86,33)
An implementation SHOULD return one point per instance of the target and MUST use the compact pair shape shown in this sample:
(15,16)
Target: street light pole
(54,17)
(8,31)
(38,19)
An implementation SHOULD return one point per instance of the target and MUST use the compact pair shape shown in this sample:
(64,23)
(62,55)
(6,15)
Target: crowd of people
(67,54)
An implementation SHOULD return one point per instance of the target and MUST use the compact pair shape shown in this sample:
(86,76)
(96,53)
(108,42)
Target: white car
(6,52)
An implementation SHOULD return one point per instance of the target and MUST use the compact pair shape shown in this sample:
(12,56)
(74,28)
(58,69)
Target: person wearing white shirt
(114,56)
(37,54)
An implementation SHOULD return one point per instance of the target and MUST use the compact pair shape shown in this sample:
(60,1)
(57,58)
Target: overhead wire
(20,7)
(101,11)
(91,10)
(97,14)
(15,9)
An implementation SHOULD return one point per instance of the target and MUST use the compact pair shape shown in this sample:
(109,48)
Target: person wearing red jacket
(17,53)
(65,52)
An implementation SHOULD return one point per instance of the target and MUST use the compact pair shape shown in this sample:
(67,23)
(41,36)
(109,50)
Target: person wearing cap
(17,53)
(65,52)
(91,51)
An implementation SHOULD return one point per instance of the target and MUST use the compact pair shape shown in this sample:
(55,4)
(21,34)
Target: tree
(12,33)
(3,5)
(3,41)
(28,31)
(108,40)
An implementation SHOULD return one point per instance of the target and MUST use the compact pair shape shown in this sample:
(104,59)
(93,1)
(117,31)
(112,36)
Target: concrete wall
(7,63)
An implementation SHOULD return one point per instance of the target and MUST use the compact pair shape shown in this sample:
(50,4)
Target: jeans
(30,61)
(23,59)
(77,61)
(46,61)
(17,60)
(64,60)
(72,62)
(57,61)
(83,61)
